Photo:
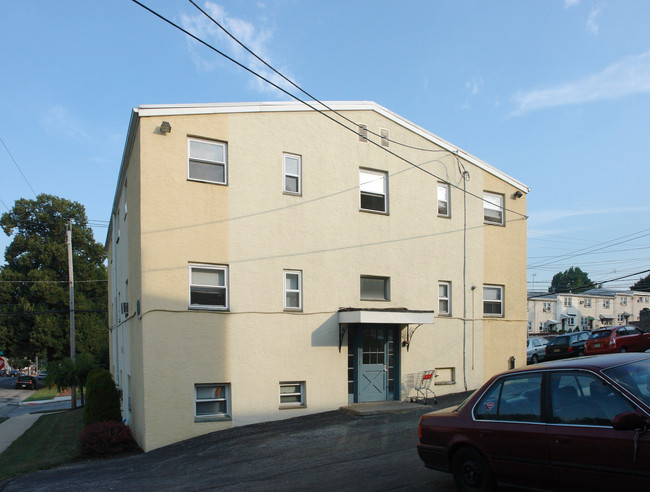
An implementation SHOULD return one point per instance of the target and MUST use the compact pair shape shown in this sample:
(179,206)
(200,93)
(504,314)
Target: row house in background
(266,263)
(588,310)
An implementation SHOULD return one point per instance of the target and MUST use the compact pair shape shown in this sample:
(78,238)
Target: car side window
(513,398)
(584,399)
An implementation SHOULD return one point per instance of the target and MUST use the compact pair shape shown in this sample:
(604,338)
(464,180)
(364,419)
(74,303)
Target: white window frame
(447,299)
(494,201)
(623,301)
(546,307)
(587,302)
(286,174)
(301,394)
(568,302)
(223,145)
(287,290)
(606,304)
(446,200)
(222,268)
(372,191)
(386,281)
(227,415)
(499,301)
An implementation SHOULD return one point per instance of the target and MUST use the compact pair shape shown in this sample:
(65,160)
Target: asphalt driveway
(328,451)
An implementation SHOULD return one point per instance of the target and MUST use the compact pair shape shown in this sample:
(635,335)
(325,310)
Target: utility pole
(68,237)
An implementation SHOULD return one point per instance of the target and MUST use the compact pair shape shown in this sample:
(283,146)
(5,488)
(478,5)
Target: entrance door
(375,363)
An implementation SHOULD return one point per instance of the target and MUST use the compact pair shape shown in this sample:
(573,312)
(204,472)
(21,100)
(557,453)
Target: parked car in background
(28,382)
(617,339)
(586,433)
(535,349)
(14,373)
(42,375)
(567,345)
(3,373)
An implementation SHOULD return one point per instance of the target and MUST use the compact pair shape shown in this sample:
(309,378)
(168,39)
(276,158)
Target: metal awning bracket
(343,327)
(410,330)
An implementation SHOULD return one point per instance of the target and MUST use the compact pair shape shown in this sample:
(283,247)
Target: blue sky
(555,93)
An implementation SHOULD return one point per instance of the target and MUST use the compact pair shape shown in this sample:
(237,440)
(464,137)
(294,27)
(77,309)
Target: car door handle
(485,434)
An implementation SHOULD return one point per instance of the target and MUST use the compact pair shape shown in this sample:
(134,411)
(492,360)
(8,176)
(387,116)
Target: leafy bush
(102,398)
(106,438)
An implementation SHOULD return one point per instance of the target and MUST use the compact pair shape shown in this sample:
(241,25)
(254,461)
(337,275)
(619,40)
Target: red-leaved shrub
(106,438)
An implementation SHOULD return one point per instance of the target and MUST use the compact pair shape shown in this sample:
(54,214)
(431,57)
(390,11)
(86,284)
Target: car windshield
(597,335)
(635,377)
(559,341)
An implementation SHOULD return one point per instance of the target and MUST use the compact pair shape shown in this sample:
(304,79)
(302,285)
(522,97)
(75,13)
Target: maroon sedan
(617,339)
(574,424)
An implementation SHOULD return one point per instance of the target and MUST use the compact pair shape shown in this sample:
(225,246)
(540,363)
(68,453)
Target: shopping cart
(422,386)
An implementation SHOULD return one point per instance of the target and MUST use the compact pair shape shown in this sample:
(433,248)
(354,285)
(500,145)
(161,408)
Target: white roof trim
(259,107)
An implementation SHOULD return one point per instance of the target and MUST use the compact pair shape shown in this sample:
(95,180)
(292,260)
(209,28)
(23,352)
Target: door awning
(395,316)
(386,316)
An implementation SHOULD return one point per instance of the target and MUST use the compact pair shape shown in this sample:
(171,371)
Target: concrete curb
(42,402)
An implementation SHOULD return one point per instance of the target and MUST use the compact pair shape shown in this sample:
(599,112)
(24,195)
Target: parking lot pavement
(327,451)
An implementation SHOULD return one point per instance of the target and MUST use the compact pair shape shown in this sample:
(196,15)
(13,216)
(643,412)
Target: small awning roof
(606,316)
(395,316)
(552,322)
(626,314)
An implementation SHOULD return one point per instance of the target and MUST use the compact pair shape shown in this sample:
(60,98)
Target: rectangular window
(292,170)
(207,161)
(373,189)
(587,302)
(443,200)
(606,304)
(375,288)
(293,290)
(493,208)
(623,301)
(444,298)
(212,400)
(547,307)
(209,286)
(493,300)
(292,394)
(568,302)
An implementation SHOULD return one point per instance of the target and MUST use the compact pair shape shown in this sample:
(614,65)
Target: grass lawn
(43,394)
(51,441)
(2,419)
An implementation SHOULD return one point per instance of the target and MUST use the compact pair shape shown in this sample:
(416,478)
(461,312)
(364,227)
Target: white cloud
(474,85)
(60,121)
(629,76)
(570,3)
(255,38)
(592,21)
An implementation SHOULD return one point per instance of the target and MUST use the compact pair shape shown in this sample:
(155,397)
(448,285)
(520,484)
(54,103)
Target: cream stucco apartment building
(266,263)
(589,310)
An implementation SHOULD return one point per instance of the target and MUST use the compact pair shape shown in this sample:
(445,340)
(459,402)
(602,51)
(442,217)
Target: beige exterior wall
(255,229)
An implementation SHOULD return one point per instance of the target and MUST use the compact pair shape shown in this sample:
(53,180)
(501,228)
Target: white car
(536,347)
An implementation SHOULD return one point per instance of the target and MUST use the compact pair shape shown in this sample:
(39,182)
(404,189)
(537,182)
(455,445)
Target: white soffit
(386,317)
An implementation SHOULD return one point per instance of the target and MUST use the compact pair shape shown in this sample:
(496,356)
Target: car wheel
(534,359)
(623,349)
(471,471)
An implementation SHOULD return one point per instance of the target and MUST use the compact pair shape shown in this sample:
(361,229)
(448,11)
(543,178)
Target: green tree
(66,374)
(642,285)
(34,296)
(572,280)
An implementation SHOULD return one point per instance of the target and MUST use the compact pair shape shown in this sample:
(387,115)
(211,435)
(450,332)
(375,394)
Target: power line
(321,112)
(592,285)
(594,248)
(18,167)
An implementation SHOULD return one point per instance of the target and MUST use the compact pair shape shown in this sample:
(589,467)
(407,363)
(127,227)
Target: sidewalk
(14,427)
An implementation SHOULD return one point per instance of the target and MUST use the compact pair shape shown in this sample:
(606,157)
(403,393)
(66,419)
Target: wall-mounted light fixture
(517,194)
(165,127)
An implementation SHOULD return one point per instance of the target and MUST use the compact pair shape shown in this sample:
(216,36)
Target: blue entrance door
(375,363)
